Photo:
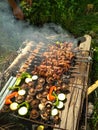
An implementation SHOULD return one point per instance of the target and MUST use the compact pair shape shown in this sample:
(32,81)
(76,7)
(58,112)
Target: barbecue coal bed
(56,90)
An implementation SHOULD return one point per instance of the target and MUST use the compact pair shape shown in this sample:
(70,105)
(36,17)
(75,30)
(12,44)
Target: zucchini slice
(14,106)
(60,105)
(22,92)
(34,77)
(54,112)
(27,80)
(22,111)
(61,96)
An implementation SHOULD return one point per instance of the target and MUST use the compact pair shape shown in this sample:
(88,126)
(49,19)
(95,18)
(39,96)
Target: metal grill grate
(78,82)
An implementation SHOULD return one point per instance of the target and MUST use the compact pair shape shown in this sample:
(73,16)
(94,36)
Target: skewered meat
(56,61)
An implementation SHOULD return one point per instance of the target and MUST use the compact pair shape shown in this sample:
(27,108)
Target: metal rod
(6,85)
(37,122)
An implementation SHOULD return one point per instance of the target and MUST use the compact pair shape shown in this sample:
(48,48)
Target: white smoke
(14,32)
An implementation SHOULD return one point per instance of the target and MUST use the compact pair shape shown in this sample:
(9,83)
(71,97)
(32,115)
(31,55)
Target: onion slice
(14,106)
(61,96)
(60,105)
(23,111)
(27,80)
(22,92)
(34,77)
(54,112)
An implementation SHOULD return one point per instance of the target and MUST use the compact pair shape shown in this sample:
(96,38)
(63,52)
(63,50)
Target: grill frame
(83,87)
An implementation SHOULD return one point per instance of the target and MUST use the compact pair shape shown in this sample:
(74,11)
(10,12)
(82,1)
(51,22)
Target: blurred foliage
(77,16)
(95,115)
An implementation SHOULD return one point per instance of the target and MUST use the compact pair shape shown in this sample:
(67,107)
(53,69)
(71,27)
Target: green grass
(84,25)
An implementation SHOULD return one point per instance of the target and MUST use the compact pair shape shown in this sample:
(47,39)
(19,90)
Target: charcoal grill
(77,82)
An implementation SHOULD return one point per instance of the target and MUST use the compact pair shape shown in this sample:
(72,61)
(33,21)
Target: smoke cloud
(13,32)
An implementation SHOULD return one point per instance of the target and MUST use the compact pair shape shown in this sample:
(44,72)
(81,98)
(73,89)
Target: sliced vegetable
(54,112)
(14,106)
(61,96)
(24,104)
(23,110)
(8,101)
(18,80)
(40,127)
(14,87)
(25,75)
(27,80)
(57,101)
(22,92)
(10,96)
(34,77)
(60,105)
(50,96)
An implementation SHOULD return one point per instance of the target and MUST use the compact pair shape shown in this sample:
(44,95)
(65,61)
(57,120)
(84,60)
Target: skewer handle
(92,87)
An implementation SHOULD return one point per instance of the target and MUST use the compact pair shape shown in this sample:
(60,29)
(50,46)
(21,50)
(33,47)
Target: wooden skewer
(92,88)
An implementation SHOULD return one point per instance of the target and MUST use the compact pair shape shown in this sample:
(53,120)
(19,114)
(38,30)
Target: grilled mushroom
(39,87)
(47,87)
(56,119)
(41,81)
(29,98)
(30,84)
(34,103)
(34,114)
(48,104)
(45,115)
(19,98)
(39,96)
(43,100)
(45,93)
(41,106)
(31,91)
(24,86)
